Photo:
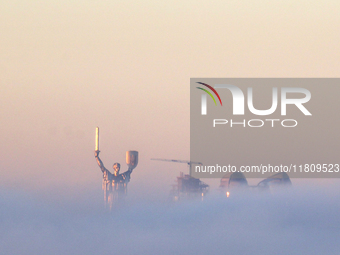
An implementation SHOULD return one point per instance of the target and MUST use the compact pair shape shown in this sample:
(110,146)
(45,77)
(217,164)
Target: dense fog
(297,220)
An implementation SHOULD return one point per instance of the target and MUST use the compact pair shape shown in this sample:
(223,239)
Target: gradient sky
(69,66)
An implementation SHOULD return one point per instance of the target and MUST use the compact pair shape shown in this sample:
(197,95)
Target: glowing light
(227,193)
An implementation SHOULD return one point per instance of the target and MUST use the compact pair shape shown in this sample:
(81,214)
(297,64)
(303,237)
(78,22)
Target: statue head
(116,168)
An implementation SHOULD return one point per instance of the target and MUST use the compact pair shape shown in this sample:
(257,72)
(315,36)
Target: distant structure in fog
(115,184)
(186,186)
(276,180)
(237,182)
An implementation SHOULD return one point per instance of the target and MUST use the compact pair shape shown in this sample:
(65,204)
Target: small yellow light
(202,194)
(227,193)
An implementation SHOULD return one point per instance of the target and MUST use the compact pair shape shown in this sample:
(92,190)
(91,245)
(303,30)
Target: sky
(125,66)
(69,66)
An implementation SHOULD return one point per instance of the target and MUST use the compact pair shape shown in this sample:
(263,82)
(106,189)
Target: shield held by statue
(132,159)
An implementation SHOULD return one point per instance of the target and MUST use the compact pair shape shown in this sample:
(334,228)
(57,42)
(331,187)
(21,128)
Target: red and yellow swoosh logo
(212,89)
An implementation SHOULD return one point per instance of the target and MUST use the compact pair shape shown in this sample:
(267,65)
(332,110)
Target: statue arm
(126,175)
(100,162)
